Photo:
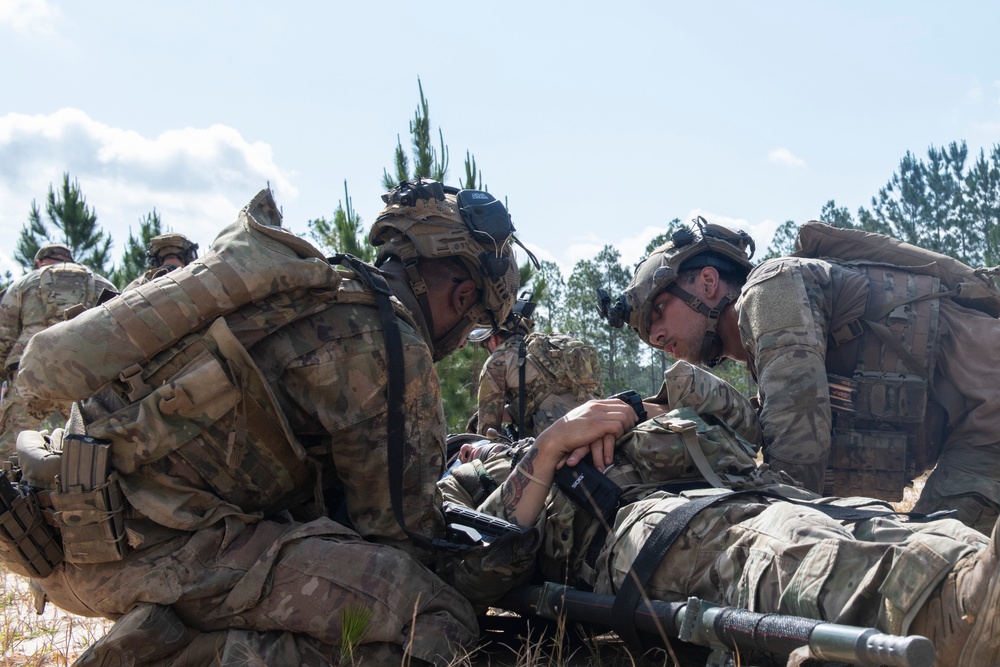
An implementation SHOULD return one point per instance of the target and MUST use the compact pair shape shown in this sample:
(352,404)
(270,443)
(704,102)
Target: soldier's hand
(591,428)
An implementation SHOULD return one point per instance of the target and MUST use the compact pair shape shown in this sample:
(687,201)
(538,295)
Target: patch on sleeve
(774,299)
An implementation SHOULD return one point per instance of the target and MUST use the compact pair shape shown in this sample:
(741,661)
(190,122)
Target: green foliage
(345,233)
(70,222)
(473,177)
(459,375)
(549,288)
(134,260)
(619,348)
(427,161)
(942,204)
(783,242)
(838,217)
(354,625)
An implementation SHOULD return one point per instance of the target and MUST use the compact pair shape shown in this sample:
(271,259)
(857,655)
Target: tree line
(943,202)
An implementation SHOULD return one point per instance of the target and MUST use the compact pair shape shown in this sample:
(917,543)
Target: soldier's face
(676,328)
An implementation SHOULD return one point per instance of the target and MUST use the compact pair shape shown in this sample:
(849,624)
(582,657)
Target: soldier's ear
(710,280)
(464,296)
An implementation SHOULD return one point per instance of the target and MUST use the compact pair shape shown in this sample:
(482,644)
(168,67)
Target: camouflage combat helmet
(703,244)
(426,219)
(171,244)
(54,251)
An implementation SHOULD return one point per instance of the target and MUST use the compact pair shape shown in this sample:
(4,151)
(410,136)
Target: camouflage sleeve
(783,328)
(687,385)
(10,322)
(492,392)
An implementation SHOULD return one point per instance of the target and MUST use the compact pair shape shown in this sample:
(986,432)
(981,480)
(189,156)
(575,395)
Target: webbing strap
(166,309)
(197,293)
(139,332)
(648,559)
(688,430)
(231,281)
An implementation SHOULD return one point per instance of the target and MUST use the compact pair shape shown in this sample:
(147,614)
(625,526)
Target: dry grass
(53,638)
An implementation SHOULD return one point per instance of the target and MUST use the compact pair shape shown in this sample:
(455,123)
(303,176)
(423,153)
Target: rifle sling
(669,529)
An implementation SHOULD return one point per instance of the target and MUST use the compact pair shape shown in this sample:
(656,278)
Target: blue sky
(598,122)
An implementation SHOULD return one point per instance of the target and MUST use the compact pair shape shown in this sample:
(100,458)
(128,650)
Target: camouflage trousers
(271,590)
(779,557)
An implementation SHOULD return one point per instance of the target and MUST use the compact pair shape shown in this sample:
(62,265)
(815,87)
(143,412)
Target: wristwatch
(633,398)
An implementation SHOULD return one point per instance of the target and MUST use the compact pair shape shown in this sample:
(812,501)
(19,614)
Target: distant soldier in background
(531,379)
(57,288)
(165,253)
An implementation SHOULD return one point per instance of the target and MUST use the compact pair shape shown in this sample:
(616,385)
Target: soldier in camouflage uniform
(32,303)
(165,253)
(939,578)
(206,582)
(798,319)
(547,395)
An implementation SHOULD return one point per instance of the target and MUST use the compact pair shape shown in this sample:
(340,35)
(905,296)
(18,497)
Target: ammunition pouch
(28,545)
(92,522)
(868,463)
(891,398)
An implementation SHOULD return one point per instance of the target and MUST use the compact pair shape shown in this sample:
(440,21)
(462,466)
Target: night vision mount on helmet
(703,244)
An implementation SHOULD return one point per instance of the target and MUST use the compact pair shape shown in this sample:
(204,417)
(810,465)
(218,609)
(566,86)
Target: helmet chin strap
(711,344)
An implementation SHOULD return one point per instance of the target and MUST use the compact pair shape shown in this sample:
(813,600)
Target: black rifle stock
(730,632)
(501,542)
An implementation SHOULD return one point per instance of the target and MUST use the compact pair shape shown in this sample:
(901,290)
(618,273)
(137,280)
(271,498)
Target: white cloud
(29,16)
(785,156)
(197,179)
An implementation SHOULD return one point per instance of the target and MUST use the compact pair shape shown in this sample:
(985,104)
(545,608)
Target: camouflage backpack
(571,365)
(62,286)
(164,379)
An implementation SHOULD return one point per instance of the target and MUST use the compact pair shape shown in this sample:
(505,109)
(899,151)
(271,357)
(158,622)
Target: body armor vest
(881,362)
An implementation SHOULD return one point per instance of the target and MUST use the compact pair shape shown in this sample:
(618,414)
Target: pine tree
(981,205)
(344,233)
(134,260)
(427,161)
(73,224)
(783,242)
